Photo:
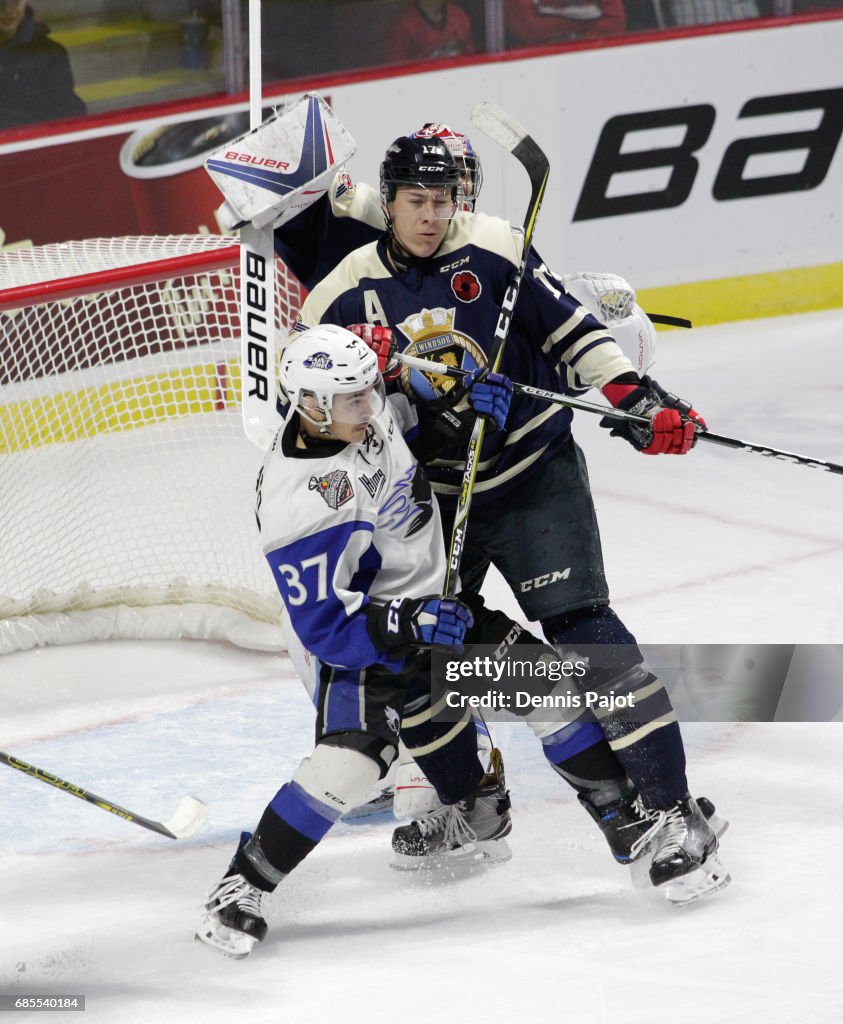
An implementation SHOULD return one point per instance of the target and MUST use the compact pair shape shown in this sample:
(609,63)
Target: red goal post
(127,482)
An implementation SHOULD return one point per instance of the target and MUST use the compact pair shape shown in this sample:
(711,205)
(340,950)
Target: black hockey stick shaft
(87,795)
(508,133)
(555,398)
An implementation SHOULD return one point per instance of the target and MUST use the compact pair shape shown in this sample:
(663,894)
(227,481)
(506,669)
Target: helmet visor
(356,408)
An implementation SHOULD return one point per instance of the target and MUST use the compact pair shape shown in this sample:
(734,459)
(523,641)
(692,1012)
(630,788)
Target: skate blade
(227,941)
(706,880)
(492,851)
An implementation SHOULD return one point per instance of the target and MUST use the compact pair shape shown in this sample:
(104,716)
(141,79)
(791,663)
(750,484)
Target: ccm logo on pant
(542,581)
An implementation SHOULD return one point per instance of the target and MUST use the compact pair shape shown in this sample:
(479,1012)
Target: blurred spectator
(428,29)
(707,12)
(36,83)
(539,22)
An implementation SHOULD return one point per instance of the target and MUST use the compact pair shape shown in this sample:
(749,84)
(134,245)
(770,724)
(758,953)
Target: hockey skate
(626,825)
(684,843)
(471,831)
(233,920)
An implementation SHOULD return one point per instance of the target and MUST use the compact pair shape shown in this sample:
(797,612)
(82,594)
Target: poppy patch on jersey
(335,487)
(466,285)
(319,361)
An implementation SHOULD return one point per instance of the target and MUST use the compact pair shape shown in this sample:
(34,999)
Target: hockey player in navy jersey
(437,278)
(353,538)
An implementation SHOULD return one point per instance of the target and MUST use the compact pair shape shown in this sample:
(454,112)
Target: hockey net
(126,481)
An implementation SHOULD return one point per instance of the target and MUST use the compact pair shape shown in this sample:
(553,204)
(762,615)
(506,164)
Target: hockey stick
(189,817)
(503,129)
(257,287)
(553,397)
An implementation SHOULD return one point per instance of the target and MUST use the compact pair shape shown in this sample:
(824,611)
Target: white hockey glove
(272,173)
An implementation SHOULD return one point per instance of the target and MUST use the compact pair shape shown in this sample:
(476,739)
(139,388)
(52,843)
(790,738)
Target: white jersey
(346,525)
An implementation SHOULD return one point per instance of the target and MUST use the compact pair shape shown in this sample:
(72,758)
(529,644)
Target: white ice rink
(719,546)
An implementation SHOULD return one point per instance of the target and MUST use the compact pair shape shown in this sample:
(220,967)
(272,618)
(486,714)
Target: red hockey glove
(673,423)
(381,342)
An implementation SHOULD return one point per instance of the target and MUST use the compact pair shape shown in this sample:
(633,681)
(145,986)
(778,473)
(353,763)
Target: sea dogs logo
(466,286)
(319,361)
(432,336)
(335,488)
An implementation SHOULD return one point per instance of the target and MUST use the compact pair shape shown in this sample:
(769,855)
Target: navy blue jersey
(446,310)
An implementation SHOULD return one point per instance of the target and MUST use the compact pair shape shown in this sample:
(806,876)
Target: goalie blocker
(307,144)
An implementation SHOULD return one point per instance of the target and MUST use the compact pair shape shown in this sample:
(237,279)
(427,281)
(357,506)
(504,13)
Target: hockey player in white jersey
(353,537)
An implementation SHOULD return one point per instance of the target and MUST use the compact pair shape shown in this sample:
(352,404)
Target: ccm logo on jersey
(542,581)
(257,161)
(455,265)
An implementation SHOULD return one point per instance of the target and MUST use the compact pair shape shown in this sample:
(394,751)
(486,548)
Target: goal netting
(126,481)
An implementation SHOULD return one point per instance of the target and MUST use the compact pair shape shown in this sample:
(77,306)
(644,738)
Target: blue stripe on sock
(304,812)
(570,740)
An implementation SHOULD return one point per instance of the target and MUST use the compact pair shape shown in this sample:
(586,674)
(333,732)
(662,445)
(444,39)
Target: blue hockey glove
(419,622)
(489,395)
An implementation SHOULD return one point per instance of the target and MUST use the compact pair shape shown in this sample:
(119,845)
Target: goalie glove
(419,622)
(673,423)
(382,343)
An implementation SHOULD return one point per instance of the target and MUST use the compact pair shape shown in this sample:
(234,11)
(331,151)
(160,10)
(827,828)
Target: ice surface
(719,546)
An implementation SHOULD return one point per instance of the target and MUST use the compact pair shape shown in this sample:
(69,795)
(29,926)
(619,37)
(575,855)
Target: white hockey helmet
(331,376)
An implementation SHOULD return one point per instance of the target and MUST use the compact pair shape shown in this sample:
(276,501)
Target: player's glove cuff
(673,423)
(418,622)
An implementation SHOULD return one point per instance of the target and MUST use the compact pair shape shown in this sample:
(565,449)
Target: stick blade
(189,818)
(498,125)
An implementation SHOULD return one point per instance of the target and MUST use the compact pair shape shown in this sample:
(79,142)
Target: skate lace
(236,890)
(675,830)
(658,819)
(451,822)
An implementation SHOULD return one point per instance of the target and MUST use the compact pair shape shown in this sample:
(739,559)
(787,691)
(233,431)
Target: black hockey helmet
(425,162)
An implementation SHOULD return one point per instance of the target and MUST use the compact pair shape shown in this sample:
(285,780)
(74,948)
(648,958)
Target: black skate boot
(685,853)
(626,825)
(233,920)
(472,830)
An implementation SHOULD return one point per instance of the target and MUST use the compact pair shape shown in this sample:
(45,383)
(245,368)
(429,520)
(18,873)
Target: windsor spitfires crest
(432,335)
(334,487)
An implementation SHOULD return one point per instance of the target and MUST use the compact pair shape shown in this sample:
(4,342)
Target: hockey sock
(446,752)
(646,742)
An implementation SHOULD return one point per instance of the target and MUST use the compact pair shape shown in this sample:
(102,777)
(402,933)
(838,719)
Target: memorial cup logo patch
(319,361)
(335,487)
(466,286)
